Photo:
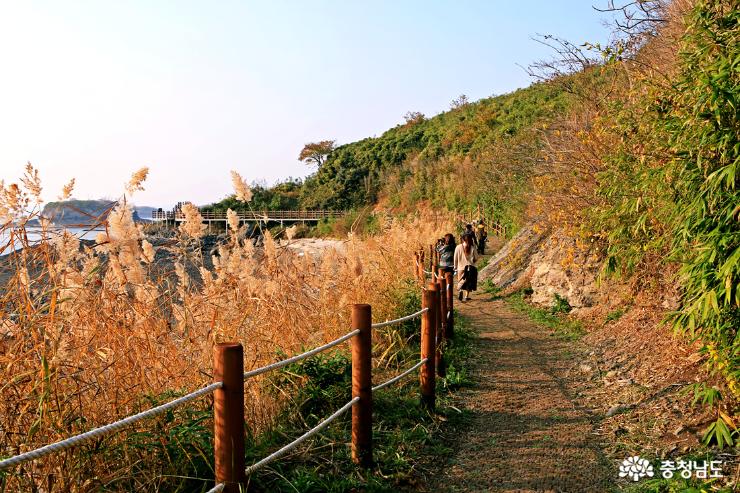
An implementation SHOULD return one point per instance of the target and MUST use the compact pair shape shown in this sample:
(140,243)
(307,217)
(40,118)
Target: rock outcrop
(512,261)
(550,263)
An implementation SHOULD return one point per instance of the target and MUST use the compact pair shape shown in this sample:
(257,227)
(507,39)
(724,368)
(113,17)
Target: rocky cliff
(549,263)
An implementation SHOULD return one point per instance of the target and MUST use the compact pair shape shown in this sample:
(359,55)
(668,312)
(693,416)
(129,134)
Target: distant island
(86,212)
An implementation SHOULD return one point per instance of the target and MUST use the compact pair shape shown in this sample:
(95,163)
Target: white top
(461,260)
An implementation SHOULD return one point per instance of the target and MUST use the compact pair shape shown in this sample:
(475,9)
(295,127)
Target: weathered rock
(509,263)
(548,263)
(564,268)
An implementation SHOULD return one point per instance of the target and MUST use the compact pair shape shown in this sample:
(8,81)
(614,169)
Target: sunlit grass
(92,332)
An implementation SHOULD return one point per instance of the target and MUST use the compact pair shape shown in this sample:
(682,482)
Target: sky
(192,89)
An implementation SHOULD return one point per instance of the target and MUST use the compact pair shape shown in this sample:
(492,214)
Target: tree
(316,152)
(413,117)
(459,102)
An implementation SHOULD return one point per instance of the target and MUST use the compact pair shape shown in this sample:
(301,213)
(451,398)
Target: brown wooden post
(228,415)
(441,323)
(450,329)
(428,345)
(420,266)
(362,386)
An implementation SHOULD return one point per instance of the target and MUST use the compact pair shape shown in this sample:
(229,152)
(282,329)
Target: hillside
(633,217)
(448,160)
(623,164)
(73,211)
(623,160)
(425,158)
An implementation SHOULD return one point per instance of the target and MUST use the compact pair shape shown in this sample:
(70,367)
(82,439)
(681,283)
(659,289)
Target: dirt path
(527,432)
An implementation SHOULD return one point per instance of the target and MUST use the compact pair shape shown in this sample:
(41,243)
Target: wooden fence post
(428,343)
(362,386)
(441,324)
(228,415)
(450,329)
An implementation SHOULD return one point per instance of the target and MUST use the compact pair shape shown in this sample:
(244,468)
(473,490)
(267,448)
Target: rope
(402,319)
(217,489)
(301,438)
(103,430)
(399,377)
(307,354)
(428,272)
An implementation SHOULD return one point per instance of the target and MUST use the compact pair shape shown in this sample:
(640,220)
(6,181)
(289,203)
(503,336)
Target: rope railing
(399,320)
(103,430)
(427,272)
(302,438)
(399,377)
(229,394)
(299,357)
(217,489)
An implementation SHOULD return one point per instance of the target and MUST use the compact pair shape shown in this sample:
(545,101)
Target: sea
(34,235)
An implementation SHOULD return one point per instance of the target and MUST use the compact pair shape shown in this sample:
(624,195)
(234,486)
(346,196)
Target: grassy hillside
(475,153)
(635,153)
(444,159)
(648,174)
(633,150)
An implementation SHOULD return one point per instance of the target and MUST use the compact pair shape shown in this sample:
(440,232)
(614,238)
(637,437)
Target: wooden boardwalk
(253,216)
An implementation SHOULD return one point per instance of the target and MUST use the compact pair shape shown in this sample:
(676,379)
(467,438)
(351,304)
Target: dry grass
(86,331)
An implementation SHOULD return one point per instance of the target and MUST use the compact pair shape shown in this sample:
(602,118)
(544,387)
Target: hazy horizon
(96,91)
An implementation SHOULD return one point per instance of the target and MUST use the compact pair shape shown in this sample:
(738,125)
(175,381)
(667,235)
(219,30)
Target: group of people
(461,259)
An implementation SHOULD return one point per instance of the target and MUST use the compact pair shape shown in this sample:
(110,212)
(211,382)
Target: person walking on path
(466,255)
(470,232)
(482,238)
(446,251)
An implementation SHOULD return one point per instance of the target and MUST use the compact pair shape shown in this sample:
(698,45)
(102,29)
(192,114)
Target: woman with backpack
(466,255)
(446,250)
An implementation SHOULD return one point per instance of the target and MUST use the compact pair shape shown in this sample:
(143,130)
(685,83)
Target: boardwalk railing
(300,215)
(228,389)
(479,214)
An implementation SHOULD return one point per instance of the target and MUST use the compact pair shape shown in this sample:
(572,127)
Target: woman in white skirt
(465,255)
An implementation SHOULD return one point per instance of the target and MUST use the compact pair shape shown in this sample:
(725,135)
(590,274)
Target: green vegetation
(405,433)
(554,318)
(361,222)
(425,159)
(615,315)
(477,153)
(283,196)
(669,189)
(636,153)
(560,305)
(179,443)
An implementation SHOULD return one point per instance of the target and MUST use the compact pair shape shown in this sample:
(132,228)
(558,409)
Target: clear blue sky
(95,90)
